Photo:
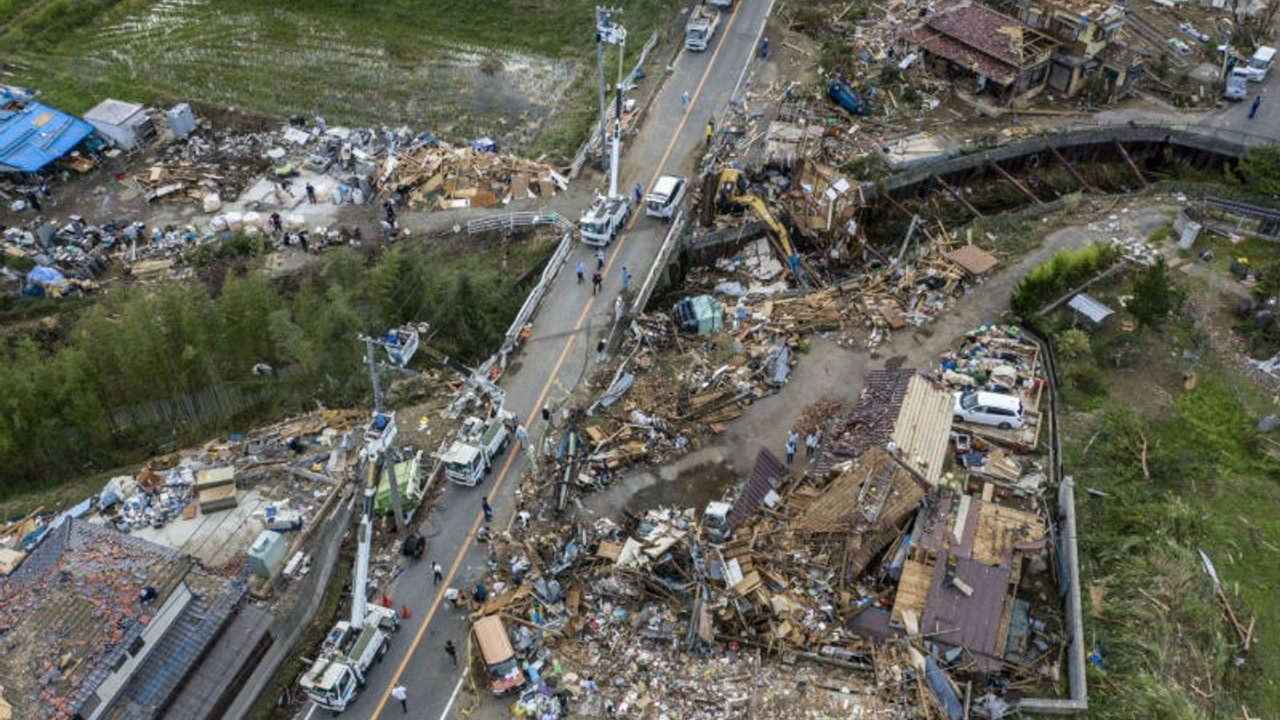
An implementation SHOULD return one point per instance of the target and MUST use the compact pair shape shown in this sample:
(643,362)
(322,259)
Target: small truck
(480,442)
(334,680)
(702,26)
(607,216)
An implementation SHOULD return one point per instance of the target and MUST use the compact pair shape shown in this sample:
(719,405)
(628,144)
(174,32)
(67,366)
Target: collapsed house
(1049,46)
(97,624)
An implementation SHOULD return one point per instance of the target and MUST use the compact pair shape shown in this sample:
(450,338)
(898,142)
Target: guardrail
(581,158)
(539,291)
(669,244)
(511,221)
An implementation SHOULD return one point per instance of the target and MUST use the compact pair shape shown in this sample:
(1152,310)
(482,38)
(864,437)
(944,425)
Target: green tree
(398,285)
(243,310)
(1154,295)
(1073,344)
(1260,169)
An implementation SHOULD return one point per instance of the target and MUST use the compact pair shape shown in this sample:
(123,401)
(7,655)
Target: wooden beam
(1072,169)
(955,193)
(1005,174)
(1136,172)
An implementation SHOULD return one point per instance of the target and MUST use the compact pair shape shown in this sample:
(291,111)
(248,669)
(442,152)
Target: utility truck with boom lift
(608,214)
(353,646)
(482,438)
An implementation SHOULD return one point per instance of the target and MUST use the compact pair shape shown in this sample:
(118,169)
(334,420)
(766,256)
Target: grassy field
(1173,471)
(499,68)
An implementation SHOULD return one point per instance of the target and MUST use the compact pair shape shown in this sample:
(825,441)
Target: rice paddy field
(505,68)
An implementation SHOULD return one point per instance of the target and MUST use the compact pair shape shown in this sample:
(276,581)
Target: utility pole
(380,452)
(606,32)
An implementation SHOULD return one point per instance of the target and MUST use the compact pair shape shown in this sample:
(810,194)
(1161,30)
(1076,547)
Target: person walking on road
(581,269)
(1253,109)
(311,193)
(399,693)
(451,651)
(791,450)
(600,348)
(639,192)
(487,508)
(599,258)
(684,101)
(437,573)
(546,414)
(596,281)
(711,128)
(626,278)
(810,444)
(522,434)
(764,48)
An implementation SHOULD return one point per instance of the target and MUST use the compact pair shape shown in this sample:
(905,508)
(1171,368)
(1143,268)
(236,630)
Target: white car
(665,197)
(986,408)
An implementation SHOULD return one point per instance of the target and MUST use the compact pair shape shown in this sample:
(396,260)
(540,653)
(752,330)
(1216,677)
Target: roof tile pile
(73,609)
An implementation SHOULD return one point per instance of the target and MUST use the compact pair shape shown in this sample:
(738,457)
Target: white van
(666,196)
(1260,63)
(985,408)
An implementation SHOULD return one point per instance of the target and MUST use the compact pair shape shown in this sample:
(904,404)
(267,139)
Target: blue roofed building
(33,135)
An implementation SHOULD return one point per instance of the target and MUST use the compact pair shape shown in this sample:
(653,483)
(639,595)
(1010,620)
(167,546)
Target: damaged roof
(923,428)
(966,605)
(70,613)
(979,39)
(870,422)
(33,135)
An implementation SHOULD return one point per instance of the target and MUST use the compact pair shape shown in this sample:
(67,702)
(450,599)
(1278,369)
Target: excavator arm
(761,211)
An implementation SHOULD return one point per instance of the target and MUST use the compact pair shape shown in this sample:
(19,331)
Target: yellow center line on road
(546,389)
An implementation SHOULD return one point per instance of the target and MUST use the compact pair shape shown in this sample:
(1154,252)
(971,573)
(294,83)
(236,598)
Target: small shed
(125,124)
(1095,311)
(267,552)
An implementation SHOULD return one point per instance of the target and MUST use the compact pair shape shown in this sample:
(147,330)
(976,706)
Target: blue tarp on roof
(33,135)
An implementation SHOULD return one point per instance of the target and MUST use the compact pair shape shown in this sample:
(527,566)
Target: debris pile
(208,161)
(439,176)
(905,557)
(998,359)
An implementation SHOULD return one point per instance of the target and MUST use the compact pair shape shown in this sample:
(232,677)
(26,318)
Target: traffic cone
(404,612)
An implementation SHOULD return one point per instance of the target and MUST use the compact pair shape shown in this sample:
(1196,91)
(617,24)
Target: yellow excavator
(732,195)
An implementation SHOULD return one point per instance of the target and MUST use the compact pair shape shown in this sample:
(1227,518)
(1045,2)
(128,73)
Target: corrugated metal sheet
(1090,308)
(33,135)
(923,427)
(969,621)
(766,474)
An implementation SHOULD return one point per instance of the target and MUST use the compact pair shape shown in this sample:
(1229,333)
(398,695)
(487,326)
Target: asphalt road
(571,320)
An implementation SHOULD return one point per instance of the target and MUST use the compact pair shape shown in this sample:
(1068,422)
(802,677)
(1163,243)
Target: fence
(508,222)
(1066,552)
(581,158)
(659,267)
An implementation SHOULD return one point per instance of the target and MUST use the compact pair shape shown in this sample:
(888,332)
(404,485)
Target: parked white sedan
(986,408)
